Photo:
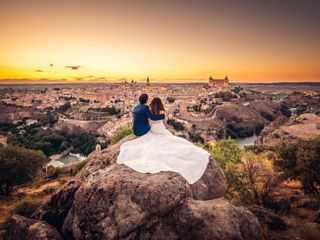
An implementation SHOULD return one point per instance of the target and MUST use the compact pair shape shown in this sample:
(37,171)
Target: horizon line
(118,81)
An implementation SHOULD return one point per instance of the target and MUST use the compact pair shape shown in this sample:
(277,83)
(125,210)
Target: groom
(141,113)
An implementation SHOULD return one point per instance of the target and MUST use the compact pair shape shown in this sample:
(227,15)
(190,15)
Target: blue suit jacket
(141,113)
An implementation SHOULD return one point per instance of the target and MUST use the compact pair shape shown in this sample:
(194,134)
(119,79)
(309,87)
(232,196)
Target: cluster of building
(90,99)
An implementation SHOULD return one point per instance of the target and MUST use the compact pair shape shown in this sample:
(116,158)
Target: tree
(228,154)
(83,143)
(259,176)
(301,161)
(171,99)
(178,126)
(18,165)
(65,107)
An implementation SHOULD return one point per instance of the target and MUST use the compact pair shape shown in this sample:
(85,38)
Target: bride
(159,150)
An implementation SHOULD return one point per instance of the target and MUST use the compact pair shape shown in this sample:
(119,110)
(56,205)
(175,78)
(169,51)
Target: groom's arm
(153,116)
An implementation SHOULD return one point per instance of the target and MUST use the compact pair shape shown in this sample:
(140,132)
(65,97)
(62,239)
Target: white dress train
(159,150)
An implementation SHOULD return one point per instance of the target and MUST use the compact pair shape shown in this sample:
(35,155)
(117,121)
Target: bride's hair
(156,106)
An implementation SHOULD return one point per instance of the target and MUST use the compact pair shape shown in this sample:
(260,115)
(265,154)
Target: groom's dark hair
(143,98)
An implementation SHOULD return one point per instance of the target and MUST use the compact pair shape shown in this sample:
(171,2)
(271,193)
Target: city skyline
(251,41)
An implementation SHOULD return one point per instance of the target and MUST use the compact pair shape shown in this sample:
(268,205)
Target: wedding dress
(159,150)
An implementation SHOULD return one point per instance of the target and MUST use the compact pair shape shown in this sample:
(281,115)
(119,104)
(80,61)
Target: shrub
(121,133)
(62,180)
(226,96)
(228,154)
(196,137)
(259,177)
(18,165)
(80,165)
(27,206)
(301,161)
(178,126)
(267,116)
(54,172)
(39,181)
(170,99)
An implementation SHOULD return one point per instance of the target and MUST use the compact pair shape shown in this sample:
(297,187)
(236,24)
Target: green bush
(39,181)
(65,107)
(301,161)
(228,154)
(27,206)
(55,142)
(226,96)
(171,99)
(54,172)
(121,133)
(18,165)
(62,180)
(196,137)
(80,165)
(178,126)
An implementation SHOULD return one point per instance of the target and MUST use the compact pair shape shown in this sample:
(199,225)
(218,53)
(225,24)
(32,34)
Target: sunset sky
(168,40)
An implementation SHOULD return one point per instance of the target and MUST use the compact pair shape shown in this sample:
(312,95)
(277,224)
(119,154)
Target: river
(60,161)
(248,141)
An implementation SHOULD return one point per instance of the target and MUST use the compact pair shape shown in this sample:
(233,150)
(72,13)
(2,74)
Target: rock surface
(211,185)
(112,201)
(20,228)
(304,127)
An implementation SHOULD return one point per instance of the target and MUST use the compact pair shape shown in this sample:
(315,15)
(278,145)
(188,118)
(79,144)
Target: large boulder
(213,219)
(21,228)
(120,203)
(112,201)
(211,185)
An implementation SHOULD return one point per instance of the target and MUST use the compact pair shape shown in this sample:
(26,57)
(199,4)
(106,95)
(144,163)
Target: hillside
(304,127)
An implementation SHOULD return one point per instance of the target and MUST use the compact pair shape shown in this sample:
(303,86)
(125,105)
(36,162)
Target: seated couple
(157,149)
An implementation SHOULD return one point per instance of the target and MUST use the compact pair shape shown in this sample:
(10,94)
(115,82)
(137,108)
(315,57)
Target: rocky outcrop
(303,127)
(245,120)
(211,185)
(21,228)
(112,201)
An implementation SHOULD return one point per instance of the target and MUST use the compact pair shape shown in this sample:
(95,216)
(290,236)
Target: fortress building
(218,82)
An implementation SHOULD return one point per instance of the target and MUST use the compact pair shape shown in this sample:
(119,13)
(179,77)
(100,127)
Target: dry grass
(7,204)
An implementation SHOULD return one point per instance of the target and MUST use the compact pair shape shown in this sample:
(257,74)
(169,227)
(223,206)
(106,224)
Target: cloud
(38,70)
(73,67)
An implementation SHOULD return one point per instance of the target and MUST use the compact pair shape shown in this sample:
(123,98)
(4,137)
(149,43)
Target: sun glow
(103,41)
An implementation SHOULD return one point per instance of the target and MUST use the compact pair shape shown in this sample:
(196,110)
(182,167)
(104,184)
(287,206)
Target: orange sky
(167,40)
